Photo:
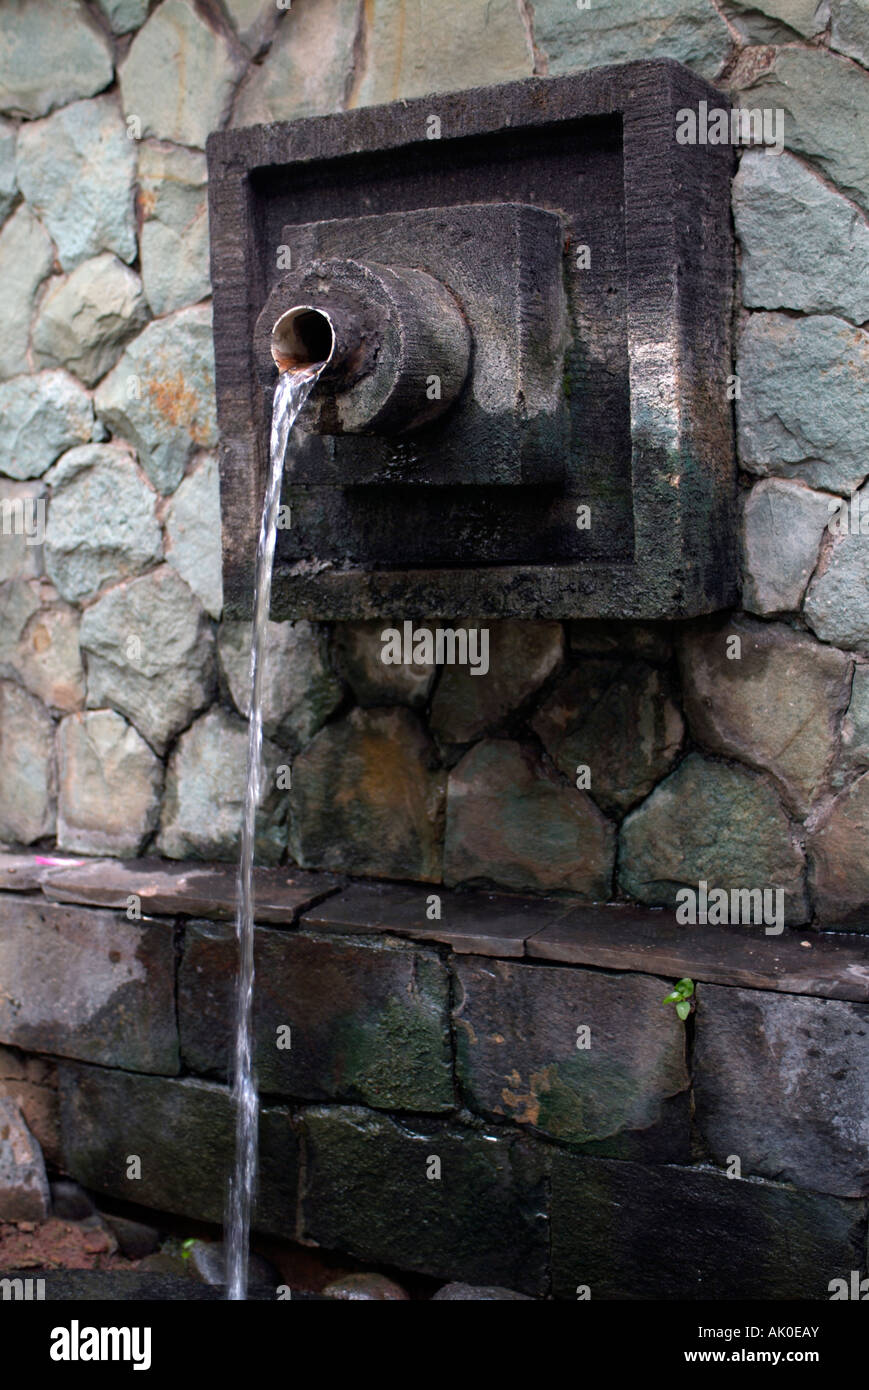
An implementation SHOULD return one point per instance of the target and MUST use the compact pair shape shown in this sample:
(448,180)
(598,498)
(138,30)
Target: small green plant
(187,1248)
(680,995)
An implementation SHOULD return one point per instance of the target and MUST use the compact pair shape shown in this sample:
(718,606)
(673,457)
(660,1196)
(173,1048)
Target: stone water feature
(115,1036)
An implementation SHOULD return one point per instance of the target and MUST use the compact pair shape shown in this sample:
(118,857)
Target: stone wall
(499,1094)
(121,691)
(122,694)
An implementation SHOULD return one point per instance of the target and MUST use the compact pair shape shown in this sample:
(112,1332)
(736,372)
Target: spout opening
(302,337)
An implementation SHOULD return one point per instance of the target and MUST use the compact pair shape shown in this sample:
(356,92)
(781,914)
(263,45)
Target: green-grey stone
(299,689)
(102,525)
(850,29)
(26,257)
(775,21)
(803,245)
(307,69)
(619,721)
(803,411)
(711,821)
(76,169)
(28,785)
(369,1018)
(777,707)
(179,76)
(783,523)
(49,55)
(109,786)
(410,56)
(256,20)
(182,1129)
(837,603)
(151,654)
(837,849)
(205,782)
(357,650)
(174,236)
(690,31)
(124,15)
(362,1168)
(48,660)
(512,822)
(367,798)
(40,417)
(855,731)
(193,534)
(825,102)
(522,656)
(19,600)
(779,1080)
(518,1055)
(160,396)
(86,317)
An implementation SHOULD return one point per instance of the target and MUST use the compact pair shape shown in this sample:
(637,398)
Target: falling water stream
(291,392)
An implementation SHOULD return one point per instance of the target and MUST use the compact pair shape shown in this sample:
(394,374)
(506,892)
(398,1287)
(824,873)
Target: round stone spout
(392,341)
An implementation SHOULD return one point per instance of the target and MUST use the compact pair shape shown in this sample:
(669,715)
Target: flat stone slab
(196,890)
(22,873)
(832,965)
(482,924)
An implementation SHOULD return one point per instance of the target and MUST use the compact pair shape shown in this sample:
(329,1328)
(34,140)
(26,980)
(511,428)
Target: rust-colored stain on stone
(526,1104)
(178,405)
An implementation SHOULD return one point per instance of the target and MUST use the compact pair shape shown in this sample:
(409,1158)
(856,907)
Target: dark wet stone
(366,1191)
(182,1130)
(632,1231)
(70,1201)
(485,924)
(135,1239)
(522,655)
(90,985)
(624,1093)
(781,1082)
(368,1021)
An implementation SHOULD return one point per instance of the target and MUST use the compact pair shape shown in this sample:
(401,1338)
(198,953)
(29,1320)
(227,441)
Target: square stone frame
(678,257)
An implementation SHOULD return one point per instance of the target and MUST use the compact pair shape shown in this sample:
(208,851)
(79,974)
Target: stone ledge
(609,936)
(800,961)
(475,923)
(168,888)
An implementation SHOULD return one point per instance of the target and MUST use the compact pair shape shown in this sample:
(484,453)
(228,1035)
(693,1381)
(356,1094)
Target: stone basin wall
(498,1095)
(122,693)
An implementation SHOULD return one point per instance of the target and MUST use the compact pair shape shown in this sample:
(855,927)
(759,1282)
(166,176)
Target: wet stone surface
(332,1019)
(585,1058)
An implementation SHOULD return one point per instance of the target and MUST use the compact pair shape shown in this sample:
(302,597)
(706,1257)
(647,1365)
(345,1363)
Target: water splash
(291,392)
